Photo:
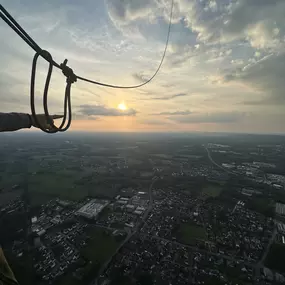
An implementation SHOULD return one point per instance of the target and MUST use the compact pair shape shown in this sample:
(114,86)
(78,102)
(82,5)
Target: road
(104,227)
(150,206)
(260,264)
(216,164)
(268,246)
(196,249)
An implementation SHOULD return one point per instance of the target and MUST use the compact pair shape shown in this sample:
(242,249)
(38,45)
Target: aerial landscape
(142,142)
(144,208)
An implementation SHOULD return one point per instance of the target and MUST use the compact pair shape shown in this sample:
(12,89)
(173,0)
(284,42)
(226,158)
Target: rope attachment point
(68,72)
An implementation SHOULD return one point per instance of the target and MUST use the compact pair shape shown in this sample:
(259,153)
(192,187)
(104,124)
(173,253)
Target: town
(206,213)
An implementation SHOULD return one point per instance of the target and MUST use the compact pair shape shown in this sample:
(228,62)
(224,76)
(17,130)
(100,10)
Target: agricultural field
(100,247)
(212,191)
(188,233)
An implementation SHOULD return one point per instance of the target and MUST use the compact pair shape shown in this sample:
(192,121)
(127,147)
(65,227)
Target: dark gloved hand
(43,121)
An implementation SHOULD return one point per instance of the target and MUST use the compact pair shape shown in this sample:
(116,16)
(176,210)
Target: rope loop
(70,78)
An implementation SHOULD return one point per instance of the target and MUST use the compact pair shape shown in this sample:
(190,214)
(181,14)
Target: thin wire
(21,32)
(154,75)
(9,20)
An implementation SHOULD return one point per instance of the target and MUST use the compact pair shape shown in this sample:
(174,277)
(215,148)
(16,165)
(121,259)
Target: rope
(67,71)
(70,78)
(9,20)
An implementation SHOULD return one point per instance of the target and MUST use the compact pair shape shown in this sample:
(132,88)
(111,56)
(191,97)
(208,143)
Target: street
(129,236)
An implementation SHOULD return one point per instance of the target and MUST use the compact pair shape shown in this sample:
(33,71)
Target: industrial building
(124,199)
(92,208)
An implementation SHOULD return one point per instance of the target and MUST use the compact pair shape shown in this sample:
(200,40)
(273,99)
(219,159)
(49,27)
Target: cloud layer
(183,113)
(209,118)
(97,110)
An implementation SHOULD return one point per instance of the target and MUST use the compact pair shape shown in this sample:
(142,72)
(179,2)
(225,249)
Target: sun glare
(122,106)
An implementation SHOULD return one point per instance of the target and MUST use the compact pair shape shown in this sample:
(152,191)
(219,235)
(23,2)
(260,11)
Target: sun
(122,106)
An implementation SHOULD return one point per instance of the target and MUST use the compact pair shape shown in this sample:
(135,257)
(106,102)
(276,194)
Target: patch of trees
(275,258)
(262,205)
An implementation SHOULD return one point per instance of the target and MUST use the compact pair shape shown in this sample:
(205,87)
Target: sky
(224,69)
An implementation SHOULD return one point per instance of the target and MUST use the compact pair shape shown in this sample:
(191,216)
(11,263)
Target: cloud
(154,122)
(77,116)
(140,77)
(212,6)
(266,76)
(127,11)
(168,97)
(212,118)
(15,94)
(182,113)
(146,20)
(254,103)
(257,21)
(100,110)
(222,53)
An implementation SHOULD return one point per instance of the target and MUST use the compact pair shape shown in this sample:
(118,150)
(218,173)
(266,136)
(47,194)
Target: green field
(189,233)
(212,190)
(68,186)
(37,199)
(98,250)
(263,205)
(101,246)
(9,196)
(56,184)
(72,186)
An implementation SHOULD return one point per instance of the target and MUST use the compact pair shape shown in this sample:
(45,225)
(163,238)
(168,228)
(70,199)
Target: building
(124,199)
(63,203)
(41,232)
(280,209)
(56,220)
(281,228)
(140,209)
(92,208)
(130,225)
(34,220)
(130,208)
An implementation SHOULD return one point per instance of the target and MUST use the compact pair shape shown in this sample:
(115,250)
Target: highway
(268,246)
(129,236)
(260,264)
(216,164)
